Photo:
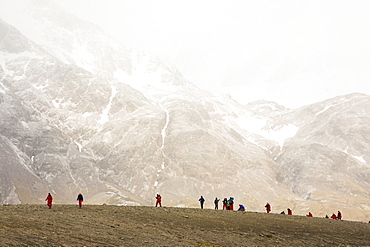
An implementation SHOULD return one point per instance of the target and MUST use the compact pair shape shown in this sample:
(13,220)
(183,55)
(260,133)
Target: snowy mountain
(81,113)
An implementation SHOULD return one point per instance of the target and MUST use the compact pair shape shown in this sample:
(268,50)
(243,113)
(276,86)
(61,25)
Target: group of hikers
(228,204)
(49,200)
(334,216)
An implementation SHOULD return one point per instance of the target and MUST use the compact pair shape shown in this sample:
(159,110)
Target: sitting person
(241,207)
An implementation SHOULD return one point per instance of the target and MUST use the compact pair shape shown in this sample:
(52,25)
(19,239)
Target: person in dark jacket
(224,204)
(80,199)
(216,203)
(49,200)
(339,215)
(201,200)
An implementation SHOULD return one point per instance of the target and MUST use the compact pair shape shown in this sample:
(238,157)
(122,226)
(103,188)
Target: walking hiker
(339,215)
(216,203)
(159,200)
(49,200)
(80,199)
(268,207)
(201,200)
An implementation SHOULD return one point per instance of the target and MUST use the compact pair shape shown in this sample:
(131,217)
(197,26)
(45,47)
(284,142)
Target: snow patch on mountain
(56,102)
(151,77)
(280,134)
(163,131)
(149,83)
(87,114)
(163,135)
(323,110)
(82,56)
(79,146)
(256,125)
(359,158)
(104,116)
(252,119)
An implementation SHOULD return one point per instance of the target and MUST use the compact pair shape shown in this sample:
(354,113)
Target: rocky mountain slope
(81,113)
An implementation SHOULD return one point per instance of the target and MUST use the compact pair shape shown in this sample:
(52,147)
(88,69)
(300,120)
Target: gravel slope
(92,225)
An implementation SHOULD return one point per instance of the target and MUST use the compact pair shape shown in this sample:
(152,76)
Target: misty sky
(293,52)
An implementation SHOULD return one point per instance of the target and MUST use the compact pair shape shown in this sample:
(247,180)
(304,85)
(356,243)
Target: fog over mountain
(79,112)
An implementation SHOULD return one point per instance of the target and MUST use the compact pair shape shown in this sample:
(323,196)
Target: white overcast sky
(293,52)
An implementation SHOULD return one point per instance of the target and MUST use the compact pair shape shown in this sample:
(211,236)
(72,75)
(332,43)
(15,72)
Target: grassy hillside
(68,225)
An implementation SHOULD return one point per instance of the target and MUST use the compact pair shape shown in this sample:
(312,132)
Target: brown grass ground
(92,225)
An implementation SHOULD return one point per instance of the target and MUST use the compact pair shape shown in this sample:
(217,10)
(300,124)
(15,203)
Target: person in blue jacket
(241,207)
(201,200)
(80,199)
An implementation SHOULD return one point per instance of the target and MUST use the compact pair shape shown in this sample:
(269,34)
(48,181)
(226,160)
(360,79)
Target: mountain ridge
(121,143)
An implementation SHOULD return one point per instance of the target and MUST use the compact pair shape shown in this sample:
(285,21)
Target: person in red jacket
(159,200)
(339,215)
(49,200)
(334,217)
(289,211)
(224,204)
(309,214)
(268,207)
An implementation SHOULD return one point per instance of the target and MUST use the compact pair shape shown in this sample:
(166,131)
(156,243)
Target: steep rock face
(327,160)
(16,175)
(72,104)
(36,156)
(136,145)
(207,157)
(148,153)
